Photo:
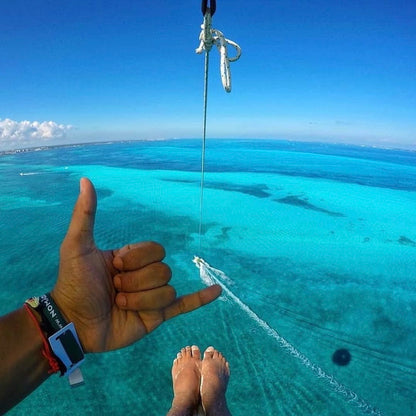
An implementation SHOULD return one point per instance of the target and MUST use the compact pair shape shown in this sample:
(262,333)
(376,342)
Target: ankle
(184,404)
(215,405)
(180,408)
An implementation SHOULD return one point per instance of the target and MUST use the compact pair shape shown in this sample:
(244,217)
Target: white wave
(210,275)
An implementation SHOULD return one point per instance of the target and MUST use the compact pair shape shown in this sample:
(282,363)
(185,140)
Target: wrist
(67,312)
(45,308)
(23,367)
(60,305)
(62,347)
(34,339)
(54,363)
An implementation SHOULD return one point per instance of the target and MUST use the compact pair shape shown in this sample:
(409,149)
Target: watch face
(33,302)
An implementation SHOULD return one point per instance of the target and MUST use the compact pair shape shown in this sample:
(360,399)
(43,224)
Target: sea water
(318,241)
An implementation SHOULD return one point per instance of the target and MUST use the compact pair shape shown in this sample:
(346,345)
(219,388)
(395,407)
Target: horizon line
(105,142)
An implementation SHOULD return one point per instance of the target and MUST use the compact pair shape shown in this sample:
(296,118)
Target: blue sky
(310,70)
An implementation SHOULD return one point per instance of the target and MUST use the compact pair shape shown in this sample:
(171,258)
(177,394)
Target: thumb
(81,227)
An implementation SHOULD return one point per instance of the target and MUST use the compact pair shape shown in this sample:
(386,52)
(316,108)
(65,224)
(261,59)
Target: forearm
(22,366)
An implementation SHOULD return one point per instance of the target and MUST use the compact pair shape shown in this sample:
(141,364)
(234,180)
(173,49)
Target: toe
(188,352)
(209,352)
(195,352)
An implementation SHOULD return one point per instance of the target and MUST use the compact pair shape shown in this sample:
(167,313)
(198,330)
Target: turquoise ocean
(316,242)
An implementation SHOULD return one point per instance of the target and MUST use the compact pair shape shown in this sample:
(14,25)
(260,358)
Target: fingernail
(121,300)
(118,263)
(117,282)
(81,185)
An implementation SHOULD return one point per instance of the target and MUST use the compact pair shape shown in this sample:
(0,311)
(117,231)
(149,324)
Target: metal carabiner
(211,9)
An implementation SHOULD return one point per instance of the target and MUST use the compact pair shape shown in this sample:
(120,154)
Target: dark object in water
(406,241)
(341,356)
(298,201)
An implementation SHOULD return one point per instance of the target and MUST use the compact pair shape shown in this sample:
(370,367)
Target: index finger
(188,303)
(135,256)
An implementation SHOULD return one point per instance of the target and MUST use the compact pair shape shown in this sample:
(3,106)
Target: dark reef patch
(406,241)
(297,201)
(259,191)
(104,193)
(341,357)
(224,236)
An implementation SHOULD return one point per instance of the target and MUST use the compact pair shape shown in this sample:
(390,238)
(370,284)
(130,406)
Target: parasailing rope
(209,37)
(210,275)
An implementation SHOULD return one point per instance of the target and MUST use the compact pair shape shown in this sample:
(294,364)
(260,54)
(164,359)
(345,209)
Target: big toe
(209,352)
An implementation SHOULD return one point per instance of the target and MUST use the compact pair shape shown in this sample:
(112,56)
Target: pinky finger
(188,303)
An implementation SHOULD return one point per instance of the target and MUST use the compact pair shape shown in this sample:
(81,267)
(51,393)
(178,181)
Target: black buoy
(341,356)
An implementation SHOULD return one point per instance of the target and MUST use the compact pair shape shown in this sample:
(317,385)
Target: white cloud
(15,134)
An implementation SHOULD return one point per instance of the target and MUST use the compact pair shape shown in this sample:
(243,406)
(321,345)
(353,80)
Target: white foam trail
(210,275)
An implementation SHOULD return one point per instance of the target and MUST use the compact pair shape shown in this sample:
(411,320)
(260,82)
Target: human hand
(115,297)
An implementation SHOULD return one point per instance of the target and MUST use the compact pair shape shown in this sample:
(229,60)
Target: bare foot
(186,376)
(215,373)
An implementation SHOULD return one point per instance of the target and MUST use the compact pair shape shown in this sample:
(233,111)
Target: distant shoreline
(109,142)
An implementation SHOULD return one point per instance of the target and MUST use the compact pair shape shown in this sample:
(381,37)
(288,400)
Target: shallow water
(318,241)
